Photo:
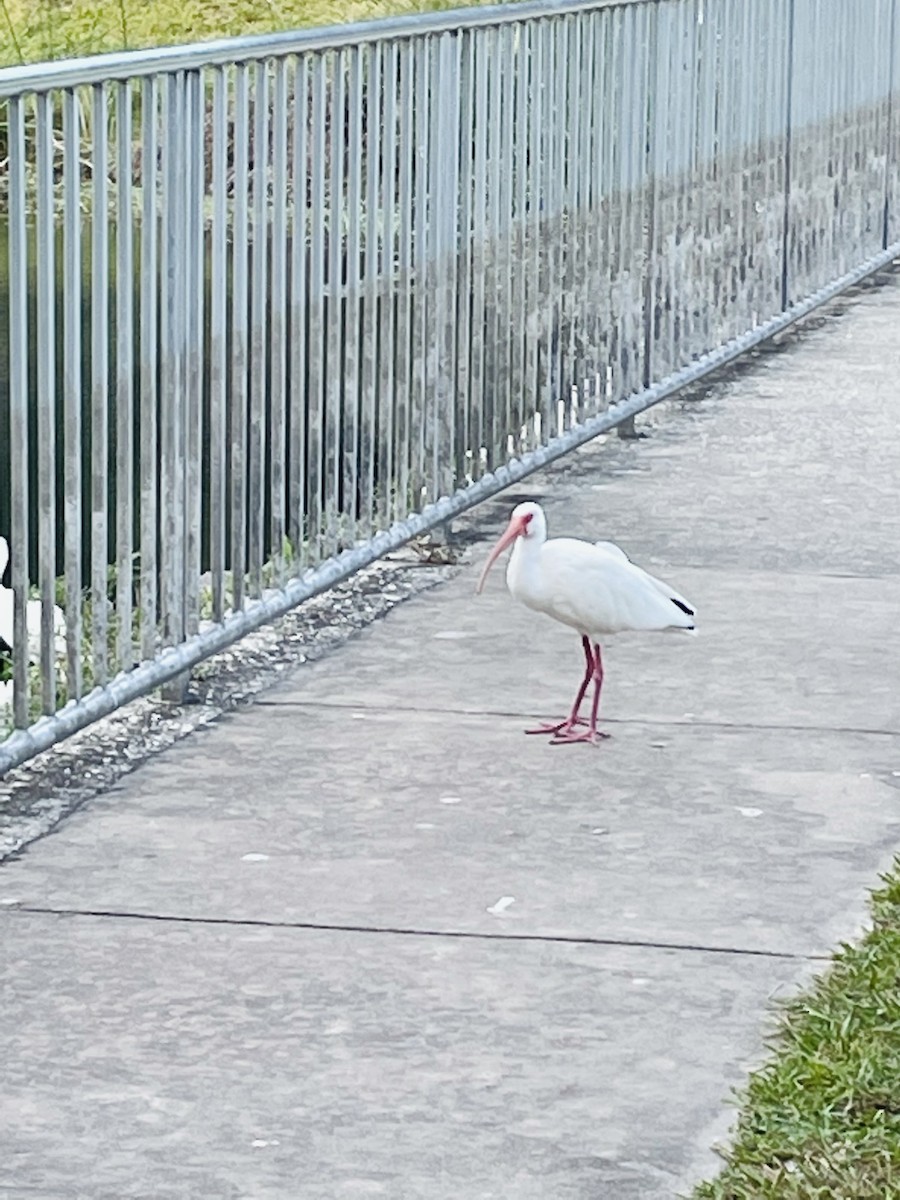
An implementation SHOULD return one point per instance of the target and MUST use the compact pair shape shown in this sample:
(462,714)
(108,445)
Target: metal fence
(269,297)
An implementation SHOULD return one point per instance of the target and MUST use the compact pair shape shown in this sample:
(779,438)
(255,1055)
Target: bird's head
(527,521)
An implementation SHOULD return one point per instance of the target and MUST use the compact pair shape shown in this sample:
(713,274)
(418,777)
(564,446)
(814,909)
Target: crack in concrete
(402,931)
(656,722)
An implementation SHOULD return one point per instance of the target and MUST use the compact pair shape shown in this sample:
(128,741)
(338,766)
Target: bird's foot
(592,736)
(560,727)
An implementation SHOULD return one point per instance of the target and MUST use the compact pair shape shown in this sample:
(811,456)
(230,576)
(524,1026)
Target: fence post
(625,429)
(172,374)
(440,269)
(788,132)
(18,406)
(651,154)
(889,133)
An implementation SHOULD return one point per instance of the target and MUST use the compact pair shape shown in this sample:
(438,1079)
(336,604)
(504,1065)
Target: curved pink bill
(513,530)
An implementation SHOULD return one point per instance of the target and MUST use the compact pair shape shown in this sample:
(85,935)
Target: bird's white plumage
(592,587)
(668,591)
(32,616)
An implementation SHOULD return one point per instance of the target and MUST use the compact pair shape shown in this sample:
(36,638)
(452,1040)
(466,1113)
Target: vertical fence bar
(675,170)
(240,131)
(722,260)
(376,291)
(149,366)
(504,126)
(46,396)
(570,317)
(533,244)
(687,65)
(841,127)
(382,477)
(655,181)
(582,218)
(99,383)
(195,349)
(517,210)
(569,107)
(479,433)
(544,248)
(526,175)
(631,263)
(624,101)
(602,178)
(465,134)
(689,213)
(706,175)
(259,249)
(124,458)
(316,392)
(788,153)
(299,397)
(334,330)
(749,157)
(642,25)
(172,373)
(218,346)
(774,181)
(492,423)
(892,119)
(403,270)
(736,117)
(350,365)
(420,200)
(719,207)
(18,405)
(440,279)
(279,309)
(554,152)
(596,252)
(72,447)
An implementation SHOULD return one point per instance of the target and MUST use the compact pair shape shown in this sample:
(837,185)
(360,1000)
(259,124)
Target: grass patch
(821,1121)
(38,30)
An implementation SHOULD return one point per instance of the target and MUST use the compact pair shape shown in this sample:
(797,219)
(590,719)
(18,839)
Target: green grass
(36,30)
(821,1121)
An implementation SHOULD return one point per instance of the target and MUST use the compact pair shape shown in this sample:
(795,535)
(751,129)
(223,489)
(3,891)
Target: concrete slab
(149,1060)
(679,836)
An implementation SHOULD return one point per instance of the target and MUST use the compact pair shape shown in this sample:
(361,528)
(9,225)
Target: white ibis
(592,587)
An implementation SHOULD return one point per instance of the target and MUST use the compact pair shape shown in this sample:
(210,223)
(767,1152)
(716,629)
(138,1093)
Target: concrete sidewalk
(366,939)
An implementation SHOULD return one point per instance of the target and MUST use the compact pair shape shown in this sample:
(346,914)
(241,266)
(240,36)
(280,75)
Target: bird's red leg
(573,718)
(592,734)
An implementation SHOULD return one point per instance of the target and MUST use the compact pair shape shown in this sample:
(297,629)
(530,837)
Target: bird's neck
(524,563)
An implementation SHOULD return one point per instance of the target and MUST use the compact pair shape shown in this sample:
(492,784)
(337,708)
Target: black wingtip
(684,608)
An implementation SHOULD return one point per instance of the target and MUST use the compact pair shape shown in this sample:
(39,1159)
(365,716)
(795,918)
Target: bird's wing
(670,593)
(613,549)
(664,588)
(597,590)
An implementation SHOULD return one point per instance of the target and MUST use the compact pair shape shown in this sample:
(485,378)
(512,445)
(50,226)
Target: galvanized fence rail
(276,305)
